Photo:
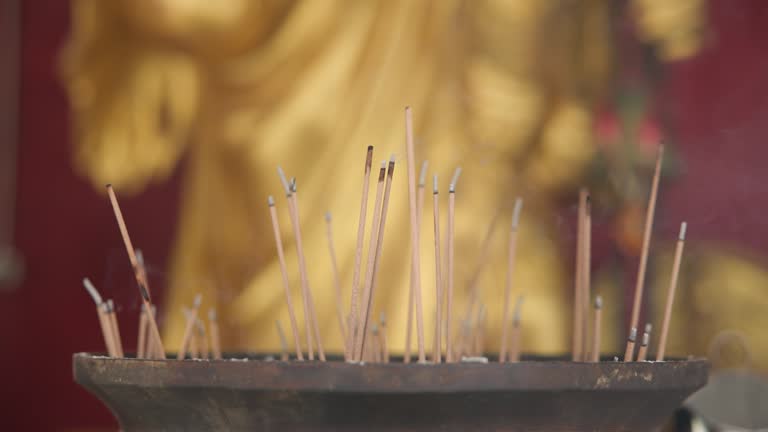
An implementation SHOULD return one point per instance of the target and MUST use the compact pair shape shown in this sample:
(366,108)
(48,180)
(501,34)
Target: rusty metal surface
(296,396)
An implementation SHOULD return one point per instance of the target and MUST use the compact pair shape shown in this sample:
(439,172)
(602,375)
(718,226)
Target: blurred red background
(64,229)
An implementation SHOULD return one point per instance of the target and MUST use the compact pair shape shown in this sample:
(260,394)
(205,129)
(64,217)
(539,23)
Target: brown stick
(451,239)
(586,294)
(415,246)
(595,354)
(141,346)
(409,324)
(514,344)
(213,324)
(510,274)
(336,278)
(283,343)
(115,329)
(284,273)
(578,312)
(383,336)
(637,303)
(371,287)
(141,279)
(186,340)
(436,356)
(152,351)
(671,293)
(101,312)
(643,351)
(355,300)
(359,335)
(630,350)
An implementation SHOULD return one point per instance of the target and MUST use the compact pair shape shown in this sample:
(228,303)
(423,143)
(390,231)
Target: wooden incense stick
(671,293)
(355,298)
(357,347)
(451,239)
(383,337)
(188,328)
(420,210)
(510,274)
(205,350)
(115,329)
(284,273)
(141,345)
(368,296)
(642,353)
(213,325)
(586,274)
(415,246)
(294,198)
(578,311)
(151,349)
(284,356)
(336,278)
(640,282)
(141,279)
(437,354)
(193,348)
(595,352)
(515,342)
(101,312)
(630,350)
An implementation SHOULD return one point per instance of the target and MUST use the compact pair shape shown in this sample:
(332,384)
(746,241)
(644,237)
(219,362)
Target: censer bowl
(256,394)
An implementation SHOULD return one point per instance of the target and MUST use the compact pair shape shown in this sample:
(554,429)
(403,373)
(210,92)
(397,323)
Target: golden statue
(507,90)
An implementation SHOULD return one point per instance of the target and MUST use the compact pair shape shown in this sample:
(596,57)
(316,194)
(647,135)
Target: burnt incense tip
(382,171)
(139,257)
(270,201)
(327,216)
(212,314)
(632,334)
(516,212)
(110,306)
(455,177)
(598,302)
(370,148)
(92,291)
(143,291)
(648,328)
(383,319)
(423,173)
(434,184)
(518,311)
(683,229)
(198,299)
(375,329)
(293,184)
(646,339)
(109,186)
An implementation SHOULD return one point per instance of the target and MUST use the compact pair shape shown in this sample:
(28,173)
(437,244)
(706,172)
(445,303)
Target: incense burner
(255,394)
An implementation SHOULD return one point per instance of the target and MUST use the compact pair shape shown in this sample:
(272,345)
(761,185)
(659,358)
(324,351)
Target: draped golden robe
(504,89)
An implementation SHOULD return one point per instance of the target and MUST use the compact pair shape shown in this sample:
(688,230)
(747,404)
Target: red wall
(65,229)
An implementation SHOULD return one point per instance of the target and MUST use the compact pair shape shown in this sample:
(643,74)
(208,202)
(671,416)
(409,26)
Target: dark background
(65,229)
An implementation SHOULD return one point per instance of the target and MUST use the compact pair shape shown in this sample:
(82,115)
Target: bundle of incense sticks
(364,338)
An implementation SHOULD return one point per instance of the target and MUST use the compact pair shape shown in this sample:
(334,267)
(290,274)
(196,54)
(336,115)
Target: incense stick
(578,311)
(671,293)
(336,278)
(415,246)
(510,273)
(102,315)
(187,338)
(436,356)
(371,287)
(586,294)
(595,354)
(283,343)
(361,324)
(643,351)
(151,350)
(630,350)
(213,324)
(141,346)
(514,344)
(294,200)
(112,316)
(420,210)
(354,302)
(637,303)
(451,239)
(141,279)
(193,348)
(284,273)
